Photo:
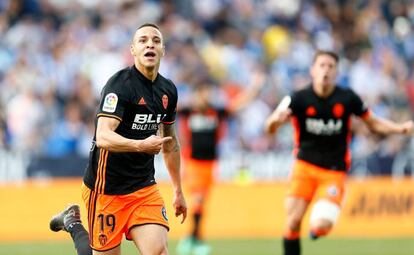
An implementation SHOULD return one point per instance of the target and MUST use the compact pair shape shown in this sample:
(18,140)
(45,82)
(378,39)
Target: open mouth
(150,54)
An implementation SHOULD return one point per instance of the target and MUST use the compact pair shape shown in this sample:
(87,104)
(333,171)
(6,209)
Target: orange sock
(291,234)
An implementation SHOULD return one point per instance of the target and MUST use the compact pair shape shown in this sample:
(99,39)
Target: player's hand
(283,115)
(153,144)
(407,127)
(180,206)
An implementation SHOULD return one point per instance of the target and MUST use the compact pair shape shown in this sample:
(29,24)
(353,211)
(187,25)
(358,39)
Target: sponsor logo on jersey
(147,121)
(199,122)
(320,127)
(110,102)
(165,101)
(142,101)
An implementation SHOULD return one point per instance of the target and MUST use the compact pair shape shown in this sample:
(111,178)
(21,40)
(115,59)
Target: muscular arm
(172,158)
(171,152)
(108,139)
(385,127)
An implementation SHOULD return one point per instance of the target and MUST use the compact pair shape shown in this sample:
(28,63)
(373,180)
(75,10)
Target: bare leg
(151,239)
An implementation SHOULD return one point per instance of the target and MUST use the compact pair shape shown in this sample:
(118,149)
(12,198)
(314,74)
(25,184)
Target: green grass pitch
(242,247)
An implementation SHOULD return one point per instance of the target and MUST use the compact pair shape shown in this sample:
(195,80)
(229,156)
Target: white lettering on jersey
(110,102)
(199,122)
(147,121)
(319,127)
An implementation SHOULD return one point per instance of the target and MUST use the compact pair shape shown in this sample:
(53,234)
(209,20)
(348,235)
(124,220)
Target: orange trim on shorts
(91,214)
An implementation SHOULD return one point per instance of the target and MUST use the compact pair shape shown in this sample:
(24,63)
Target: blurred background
(56,55)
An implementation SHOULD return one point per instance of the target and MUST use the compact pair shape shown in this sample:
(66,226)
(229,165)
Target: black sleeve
(358,107)
(172,106)
(294,103)
(114,97)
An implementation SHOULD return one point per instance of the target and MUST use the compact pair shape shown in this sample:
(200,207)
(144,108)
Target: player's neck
(323,92)
(149,73)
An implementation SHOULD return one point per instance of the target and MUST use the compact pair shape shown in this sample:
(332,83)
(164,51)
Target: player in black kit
(321,116)
(119,188)
(202,124)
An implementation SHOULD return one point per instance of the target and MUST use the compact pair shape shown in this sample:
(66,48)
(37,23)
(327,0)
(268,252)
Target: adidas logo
(142,101)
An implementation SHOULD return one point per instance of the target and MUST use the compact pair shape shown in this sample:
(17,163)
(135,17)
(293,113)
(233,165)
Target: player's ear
(132,50)
(311,71)
(163,51)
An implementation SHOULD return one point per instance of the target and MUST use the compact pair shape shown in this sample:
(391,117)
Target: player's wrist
(178,190)
(138,145)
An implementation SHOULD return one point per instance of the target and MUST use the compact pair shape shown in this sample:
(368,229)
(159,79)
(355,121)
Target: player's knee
(155,249)
(294,222)
(324,214)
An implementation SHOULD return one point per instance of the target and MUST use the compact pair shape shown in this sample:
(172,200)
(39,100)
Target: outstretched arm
(172,158)
(279,116)
(108,139)
(385,127)
(248,94)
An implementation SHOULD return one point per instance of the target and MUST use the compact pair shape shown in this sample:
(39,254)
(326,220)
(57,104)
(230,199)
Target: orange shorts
(111,216)
(198,175)
(309,181)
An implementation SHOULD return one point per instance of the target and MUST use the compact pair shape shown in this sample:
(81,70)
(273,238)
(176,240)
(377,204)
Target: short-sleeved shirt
(323,126)
(140,105)
(203,130)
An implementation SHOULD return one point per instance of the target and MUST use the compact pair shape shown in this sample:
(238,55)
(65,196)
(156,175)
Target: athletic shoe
(65,219)
(201,248)
(185,246)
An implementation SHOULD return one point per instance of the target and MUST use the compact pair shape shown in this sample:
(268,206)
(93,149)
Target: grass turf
(242,247)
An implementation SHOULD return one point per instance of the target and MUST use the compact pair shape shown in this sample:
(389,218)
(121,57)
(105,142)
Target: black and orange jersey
(202,130)
(140,105)
(323,126)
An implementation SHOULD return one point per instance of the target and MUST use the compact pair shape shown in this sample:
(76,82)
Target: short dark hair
(149,25)
(326,52)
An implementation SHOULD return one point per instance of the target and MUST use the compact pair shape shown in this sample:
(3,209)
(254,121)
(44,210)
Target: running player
(201,125)
(321,116)
(119,188)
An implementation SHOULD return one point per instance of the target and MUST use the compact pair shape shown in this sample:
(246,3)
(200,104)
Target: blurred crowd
(56,55)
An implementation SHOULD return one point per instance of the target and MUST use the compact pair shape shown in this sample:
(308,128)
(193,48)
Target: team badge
(338,110)
(103,239)
(165,101)
(333,191)
(164,213)
(110,102)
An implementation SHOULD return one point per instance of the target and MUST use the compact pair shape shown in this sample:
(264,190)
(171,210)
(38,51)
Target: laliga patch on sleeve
(110,102)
